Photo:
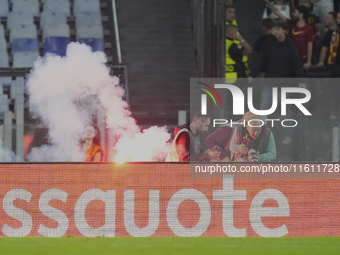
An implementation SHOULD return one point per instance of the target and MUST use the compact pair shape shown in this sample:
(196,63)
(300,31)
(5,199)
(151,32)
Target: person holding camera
(222,136)
(252,142)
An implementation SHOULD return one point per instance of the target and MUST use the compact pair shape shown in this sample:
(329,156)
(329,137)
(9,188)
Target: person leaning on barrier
(253,136)
(186,144)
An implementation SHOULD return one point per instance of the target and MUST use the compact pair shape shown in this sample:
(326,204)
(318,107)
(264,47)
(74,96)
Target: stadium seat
(61,30)
(4,59)
(19,18)
(17,87)
(3,103)
(6,81)
(86,6)
(4,8)
(88,19)
(2,32)
(12,90)
(52,18)
(3,45)
(90,32)
(25,44)
(23,31)
(56,45)
(24,59)
(94,43)
(57,6)
(30,6)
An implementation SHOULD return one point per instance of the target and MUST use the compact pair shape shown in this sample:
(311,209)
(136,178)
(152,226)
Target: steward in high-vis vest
(236,51)
(186,144)
(231,20)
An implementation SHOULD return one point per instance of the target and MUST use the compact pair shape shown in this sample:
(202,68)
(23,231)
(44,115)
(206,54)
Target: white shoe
(287,140)
(332,117)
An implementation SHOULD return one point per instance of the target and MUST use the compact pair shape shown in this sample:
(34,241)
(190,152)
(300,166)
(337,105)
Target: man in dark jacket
(186,144)
(278,59)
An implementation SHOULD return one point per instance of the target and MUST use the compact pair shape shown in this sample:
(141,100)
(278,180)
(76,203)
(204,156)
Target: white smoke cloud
(6,155)
(67,91)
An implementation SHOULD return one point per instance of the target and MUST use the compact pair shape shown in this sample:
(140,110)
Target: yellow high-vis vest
(230,77)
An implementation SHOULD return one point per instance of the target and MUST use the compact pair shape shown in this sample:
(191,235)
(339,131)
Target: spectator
(235,67)
(91,146)
(186,144)
(229,2)
(278,59)
(255,136)
(312,19)
(282,6)
(301,33)
(330,41)
(322,8)
(267,30)
(330,55)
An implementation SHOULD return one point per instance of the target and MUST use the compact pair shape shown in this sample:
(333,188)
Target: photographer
(254,136)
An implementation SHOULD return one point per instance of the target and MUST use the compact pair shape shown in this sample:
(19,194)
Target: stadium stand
(4,8)
(29,6)
(60,22)
(31,28)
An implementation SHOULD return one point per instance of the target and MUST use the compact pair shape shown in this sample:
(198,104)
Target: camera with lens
(252,155)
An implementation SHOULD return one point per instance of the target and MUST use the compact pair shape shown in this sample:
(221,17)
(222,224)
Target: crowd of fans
(299,37)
